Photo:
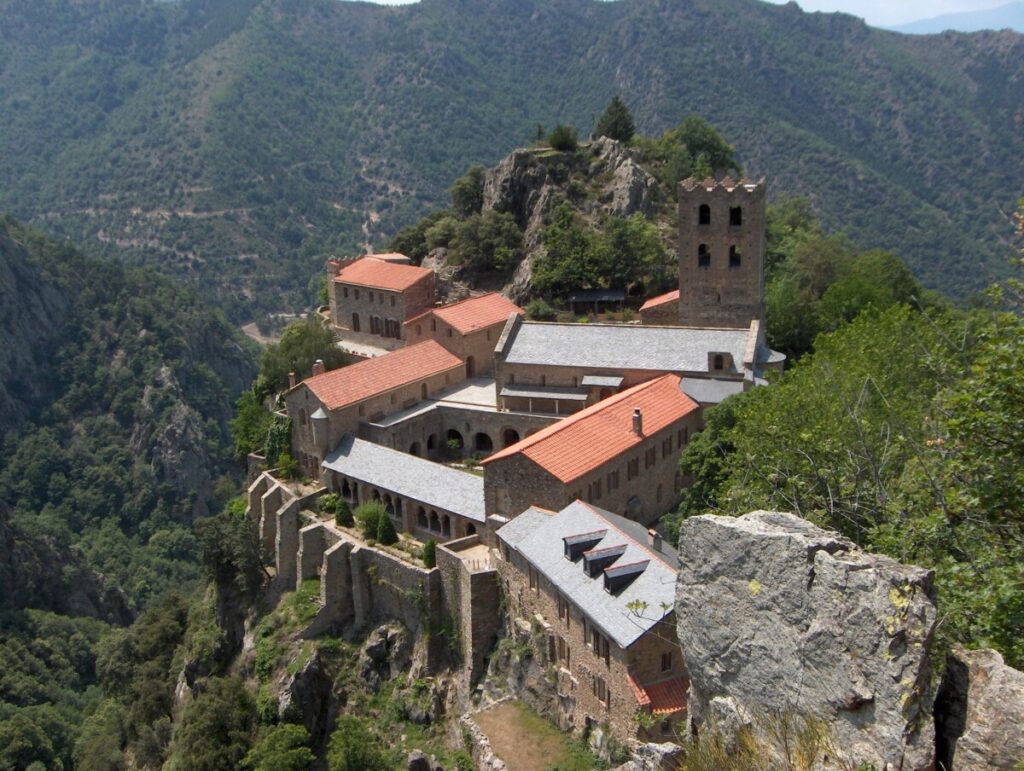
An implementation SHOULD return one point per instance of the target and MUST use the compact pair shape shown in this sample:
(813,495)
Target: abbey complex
(577,429)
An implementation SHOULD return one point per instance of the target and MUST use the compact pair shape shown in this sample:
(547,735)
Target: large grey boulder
(980,712)
(775,614)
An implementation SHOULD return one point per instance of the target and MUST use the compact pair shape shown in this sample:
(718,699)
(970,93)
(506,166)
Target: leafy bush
(563,138)
(468,192)
(343,514)
(301,344)
(354,747)
(216,730)
(288,466)
(284,747)
(368,516)
(540,310)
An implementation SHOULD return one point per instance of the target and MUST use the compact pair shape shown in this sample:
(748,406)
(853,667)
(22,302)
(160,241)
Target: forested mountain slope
(116,389)
(232,143)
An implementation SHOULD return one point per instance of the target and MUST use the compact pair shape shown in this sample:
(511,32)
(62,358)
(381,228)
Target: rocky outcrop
(306,697)
(170,436)
(386,653)
(979,713)
(775,614)
(527,184)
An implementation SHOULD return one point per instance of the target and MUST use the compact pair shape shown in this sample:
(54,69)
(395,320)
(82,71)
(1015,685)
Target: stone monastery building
(574,432)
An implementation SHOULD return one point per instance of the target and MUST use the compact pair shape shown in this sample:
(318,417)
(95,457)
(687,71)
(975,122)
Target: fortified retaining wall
(472,600)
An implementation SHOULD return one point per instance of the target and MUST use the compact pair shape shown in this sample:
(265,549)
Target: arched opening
(509,437)
(346,490)
(414,449)
(431,444)
(482,443)
(423,390)
(719,362)
(435,522)
(735,216)
(398,506)
(703,256)
(470,529)
(446,526)
(704,215)
(421,518)
(470,366)
(735,258)
(454,441)
(355,322)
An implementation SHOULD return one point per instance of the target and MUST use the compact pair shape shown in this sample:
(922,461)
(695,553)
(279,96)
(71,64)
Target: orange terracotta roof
(348,385)
(381,275)
(663,698)
(662,299)
(474,313)
(586,440)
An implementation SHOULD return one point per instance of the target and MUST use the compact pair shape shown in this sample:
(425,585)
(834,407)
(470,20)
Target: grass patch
(528,742)
(274,634)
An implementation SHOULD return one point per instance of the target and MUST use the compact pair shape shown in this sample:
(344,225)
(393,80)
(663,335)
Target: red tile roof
(381,275)
(590,438)
(663,698)
(348,385)
(474,313)
(662,299)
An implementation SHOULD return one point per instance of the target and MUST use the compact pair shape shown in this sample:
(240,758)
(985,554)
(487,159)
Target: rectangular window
(613,480)
(369,296)
(344,291)
(357,294)
(666,661)
(392,301)
(601,691)
(633,469)
(563,651)
(650,457)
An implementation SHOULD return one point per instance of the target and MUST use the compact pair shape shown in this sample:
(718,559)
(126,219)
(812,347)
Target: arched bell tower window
(735,257)
(735,216)
(704,215)
(703,256)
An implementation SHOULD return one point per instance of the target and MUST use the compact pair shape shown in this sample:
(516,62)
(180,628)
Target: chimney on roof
(654,539)
(292,381)
(638,422)
(318,367)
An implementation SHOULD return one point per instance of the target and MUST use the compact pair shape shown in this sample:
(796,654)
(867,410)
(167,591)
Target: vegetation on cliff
(115,439)
(233,143)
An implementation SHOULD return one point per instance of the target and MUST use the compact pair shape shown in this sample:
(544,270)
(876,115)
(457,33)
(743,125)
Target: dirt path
(516,740)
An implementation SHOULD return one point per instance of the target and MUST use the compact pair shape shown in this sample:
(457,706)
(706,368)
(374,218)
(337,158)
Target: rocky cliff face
(775,614)
(601,179)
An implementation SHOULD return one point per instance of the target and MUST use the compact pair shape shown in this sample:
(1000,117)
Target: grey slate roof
(544,392)
(709,390)
(537,535)
(601,381)
(430,483)
(623,346)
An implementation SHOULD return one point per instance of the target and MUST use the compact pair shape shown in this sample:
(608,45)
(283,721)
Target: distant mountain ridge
(1009,16)
(233,144)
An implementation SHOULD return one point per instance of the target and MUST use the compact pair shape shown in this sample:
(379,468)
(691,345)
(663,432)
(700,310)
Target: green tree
(412,239)
(279,439)
(386,530)
(101,741)
(216,730)
(635,254)
(616,122)
(574,256)
(468,192)
(487,242)
(250,425)
(285,747)
(343,514)
(354,748)
(430,553)
(302,343)
(563,138)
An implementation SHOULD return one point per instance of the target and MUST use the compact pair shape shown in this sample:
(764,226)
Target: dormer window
(596,560)
(574,545)
(618,577)
(718,362)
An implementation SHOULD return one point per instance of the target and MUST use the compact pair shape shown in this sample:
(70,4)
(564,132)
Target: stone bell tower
(721,252)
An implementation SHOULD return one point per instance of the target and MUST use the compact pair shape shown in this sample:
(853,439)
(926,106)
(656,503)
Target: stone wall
(392,308)
(301,403)
(512,484)
(721,291)
(477,345)
(663,315)
(472,598)
(572,699)
(425,434)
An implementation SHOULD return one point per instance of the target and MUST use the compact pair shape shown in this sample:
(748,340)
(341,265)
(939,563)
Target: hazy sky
(877,12)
